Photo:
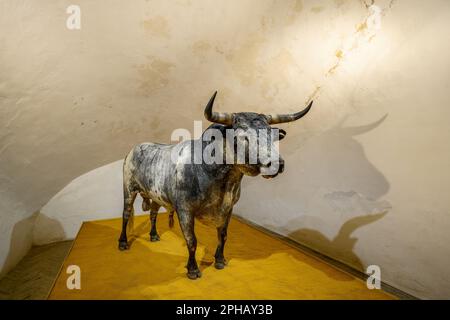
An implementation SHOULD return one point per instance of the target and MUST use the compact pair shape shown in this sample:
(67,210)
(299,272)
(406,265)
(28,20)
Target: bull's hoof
(219,265)
(194,274)
(154,237)
(123,245)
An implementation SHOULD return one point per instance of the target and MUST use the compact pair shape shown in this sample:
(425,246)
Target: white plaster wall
(16,229)
(73,101)
(95,195)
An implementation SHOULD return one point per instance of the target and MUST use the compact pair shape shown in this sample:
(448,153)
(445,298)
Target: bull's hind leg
(154,208)
(128,200)
(187,226)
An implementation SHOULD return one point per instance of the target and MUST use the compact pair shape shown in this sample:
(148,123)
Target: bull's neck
(222,170)
(228,175)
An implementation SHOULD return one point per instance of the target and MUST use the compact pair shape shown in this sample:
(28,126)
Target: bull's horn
(217,117)
(281,118)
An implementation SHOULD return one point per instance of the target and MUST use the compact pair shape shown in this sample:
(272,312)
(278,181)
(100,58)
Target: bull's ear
(281,133)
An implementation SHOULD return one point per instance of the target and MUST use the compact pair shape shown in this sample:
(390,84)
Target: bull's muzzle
(273,168)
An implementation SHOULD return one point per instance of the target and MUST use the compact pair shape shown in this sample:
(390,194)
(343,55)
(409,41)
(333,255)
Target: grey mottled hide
(207,192)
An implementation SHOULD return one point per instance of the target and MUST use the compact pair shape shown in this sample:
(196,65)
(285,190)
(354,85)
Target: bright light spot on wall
(374,19)
(365,32)
(357,50)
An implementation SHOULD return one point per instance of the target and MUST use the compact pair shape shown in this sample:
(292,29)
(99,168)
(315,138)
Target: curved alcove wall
(366,175)
(93,196)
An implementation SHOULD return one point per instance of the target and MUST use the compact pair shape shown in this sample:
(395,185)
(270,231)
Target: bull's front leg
(222,237)
(186,220)
(154,208)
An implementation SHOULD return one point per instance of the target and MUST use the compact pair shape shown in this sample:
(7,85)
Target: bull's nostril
(269,164)
(281,169)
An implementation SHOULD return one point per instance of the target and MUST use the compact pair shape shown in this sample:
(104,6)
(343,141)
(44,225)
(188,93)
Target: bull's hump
(147,145)
(148,150)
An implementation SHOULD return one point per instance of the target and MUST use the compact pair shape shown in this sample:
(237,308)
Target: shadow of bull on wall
(329,185)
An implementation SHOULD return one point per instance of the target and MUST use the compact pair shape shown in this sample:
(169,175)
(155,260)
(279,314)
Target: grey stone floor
(33,277)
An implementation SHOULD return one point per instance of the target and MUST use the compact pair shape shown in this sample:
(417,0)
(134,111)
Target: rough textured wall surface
(366,175)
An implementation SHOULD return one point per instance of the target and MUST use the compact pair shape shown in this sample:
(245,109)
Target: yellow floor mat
(259,266)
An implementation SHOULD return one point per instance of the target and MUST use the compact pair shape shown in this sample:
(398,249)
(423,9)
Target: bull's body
(178,183)
(208,192)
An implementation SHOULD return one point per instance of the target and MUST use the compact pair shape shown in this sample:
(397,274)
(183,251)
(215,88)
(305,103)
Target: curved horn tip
(283,118)
(308,106)
(217,117)
(213,96)
(208,109)
(306,110)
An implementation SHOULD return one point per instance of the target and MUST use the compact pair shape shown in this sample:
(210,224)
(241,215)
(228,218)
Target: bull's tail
(171,219)
(145,203)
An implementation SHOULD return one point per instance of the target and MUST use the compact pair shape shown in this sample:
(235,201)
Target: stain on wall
(201,49)
(157,27)
(154,75)
(317,9)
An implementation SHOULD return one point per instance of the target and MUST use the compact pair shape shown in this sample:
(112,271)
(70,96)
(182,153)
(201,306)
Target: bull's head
(255,136)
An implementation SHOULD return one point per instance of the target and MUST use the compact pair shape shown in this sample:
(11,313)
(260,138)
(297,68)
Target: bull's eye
(281,134)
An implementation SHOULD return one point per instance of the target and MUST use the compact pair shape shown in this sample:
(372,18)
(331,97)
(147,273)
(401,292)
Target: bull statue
(163,176)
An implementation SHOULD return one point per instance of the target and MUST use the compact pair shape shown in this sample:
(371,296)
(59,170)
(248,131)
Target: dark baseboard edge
(402,295)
